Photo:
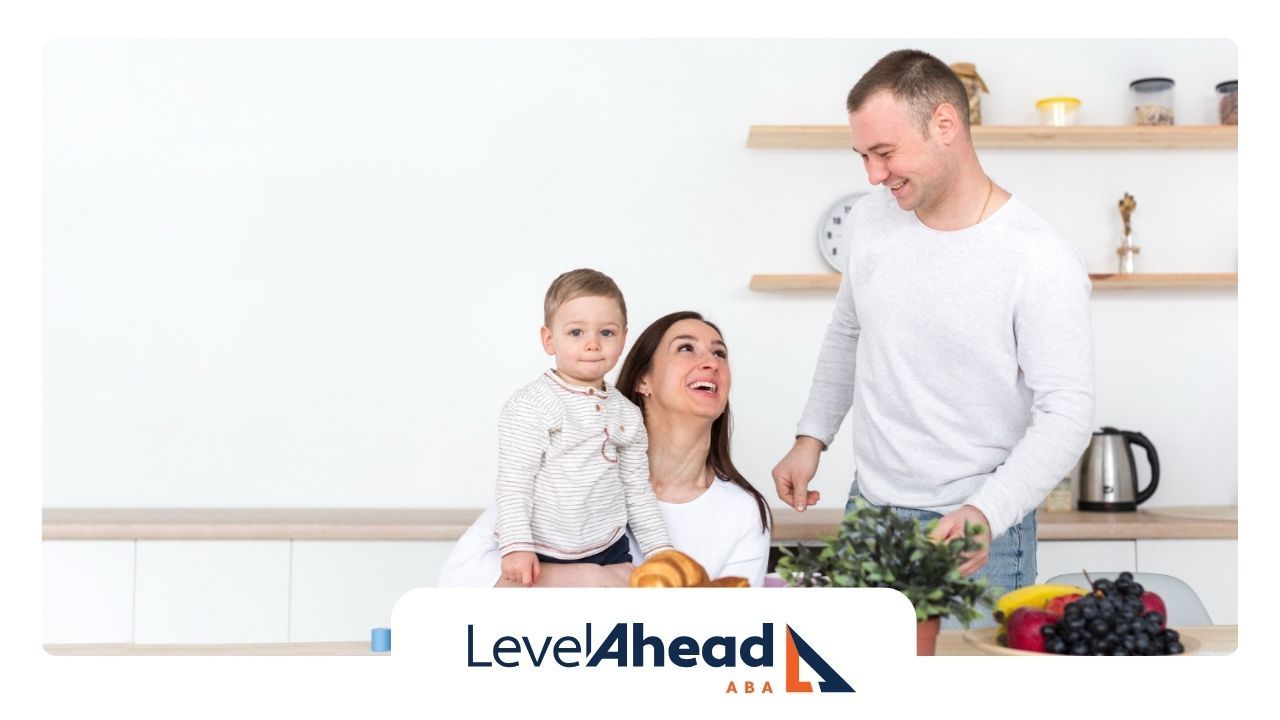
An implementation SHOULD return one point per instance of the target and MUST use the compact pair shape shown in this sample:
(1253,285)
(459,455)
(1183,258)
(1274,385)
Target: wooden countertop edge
(340,648)
(449,524)
(253,531)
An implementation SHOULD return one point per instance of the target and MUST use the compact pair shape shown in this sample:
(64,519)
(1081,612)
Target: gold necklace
(990,186)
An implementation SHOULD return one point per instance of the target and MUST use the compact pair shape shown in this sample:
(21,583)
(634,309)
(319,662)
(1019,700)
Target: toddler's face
(586,336)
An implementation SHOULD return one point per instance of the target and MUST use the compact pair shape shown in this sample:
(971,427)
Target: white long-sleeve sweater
(966,357)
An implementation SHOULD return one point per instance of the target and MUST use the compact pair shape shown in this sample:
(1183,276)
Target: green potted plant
(876,548)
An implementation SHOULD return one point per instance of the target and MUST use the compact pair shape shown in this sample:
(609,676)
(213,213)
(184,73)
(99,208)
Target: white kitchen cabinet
(1208,566)
(88,591)
(1055,557)
(341,589)
(212,591)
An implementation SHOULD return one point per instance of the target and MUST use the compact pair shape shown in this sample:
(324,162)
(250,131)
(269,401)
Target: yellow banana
(1033,596)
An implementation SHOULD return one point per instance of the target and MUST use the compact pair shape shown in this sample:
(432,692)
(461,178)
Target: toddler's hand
(521,567)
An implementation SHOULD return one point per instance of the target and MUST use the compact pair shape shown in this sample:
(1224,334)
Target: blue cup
(381,641)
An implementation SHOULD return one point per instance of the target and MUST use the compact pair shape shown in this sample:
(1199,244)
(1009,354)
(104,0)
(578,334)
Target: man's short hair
(583,282)
(916,78)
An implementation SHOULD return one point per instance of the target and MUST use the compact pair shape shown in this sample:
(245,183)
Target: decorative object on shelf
(1058,111)
(875,548)
(1152,101)
(1127,249)
(833,232)
(1228,102)
(973,84)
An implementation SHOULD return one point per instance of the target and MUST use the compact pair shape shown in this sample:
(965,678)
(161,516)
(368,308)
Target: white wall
(309,273)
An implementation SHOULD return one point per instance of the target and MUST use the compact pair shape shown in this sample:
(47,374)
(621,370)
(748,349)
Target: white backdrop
(309,273)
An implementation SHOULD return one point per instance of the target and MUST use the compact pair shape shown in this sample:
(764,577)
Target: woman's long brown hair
(637,365)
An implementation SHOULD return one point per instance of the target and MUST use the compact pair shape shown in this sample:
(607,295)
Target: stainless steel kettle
(1108,475)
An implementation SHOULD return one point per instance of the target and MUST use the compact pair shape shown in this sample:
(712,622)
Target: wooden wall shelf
(1101,281)
(1117,137)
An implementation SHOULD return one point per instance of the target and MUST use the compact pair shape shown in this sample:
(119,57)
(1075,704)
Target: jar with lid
(1228,102)
(1058,111)
(973,84)
(1152,101)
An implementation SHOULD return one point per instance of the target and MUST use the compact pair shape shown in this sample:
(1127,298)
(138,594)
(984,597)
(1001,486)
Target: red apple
(1058,604)
(1024,628)
(1152,601)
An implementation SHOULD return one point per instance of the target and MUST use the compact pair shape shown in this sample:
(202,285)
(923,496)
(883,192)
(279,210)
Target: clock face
(833,232)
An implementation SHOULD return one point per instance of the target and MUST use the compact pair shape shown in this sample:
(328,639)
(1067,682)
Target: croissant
(672,568)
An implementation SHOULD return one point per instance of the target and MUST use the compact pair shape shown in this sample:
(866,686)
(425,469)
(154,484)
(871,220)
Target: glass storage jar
(1152,101)
(1058,111)
(1228,102)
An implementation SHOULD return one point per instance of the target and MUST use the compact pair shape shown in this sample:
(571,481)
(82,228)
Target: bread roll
(672,568)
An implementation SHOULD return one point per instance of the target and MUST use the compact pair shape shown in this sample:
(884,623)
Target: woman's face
(690,372)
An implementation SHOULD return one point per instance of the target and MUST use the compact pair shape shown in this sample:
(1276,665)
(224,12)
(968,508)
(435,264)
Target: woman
(677,373)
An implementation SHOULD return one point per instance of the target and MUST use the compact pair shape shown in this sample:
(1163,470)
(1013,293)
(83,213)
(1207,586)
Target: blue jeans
(1011,562)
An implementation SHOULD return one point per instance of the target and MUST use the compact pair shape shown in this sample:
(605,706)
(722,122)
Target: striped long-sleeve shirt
(573,472)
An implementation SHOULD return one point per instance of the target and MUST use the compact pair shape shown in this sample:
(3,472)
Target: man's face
(894,151)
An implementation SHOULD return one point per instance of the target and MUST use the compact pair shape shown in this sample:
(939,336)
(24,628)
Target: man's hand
(951,526)
(520,567)
(793,473)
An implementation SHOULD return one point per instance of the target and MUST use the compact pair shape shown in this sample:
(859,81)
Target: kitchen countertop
(449,524)
(1207,522)
(1214,639)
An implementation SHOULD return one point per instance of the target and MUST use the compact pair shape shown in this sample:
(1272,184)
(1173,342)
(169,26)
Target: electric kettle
(1108,475)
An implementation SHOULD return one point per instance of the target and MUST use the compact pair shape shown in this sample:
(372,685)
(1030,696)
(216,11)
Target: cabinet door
(212,591)
(342,589)
(88,591)
(1208,566)
(1056,557)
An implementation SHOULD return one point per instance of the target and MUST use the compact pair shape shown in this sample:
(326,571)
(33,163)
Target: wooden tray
(985,640)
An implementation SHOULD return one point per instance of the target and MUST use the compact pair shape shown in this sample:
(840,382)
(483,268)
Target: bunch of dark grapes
(1111,621)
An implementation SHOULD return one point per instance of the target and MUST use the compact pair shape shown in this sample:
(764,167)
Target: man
(960,336)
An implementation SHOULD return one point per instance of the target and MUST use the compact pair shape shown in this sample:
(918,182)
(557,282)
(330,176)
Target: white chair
(1180,599)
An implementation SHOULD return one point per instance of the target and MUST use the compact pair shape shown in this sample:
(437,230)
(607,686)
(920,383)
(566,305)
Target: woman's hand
(520,567)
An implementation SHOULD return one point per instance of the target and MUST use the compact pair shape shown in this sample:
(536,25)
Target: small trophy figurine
(1127,249)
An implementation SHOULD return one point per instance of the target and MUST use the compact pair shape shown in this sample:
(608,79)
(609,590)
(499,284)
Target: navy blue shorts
(619,552)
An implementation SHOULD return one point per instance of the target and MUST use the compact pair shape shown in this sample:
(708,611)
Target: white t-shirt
(720,529)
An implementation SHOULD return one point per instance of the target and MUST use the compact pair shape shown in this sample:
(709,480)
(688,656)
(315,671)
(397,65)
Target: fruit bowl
(984,639)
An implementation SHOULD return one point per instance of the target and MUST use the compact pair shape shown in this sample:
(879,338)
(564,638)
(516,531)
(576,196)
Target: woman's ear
(642,387)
